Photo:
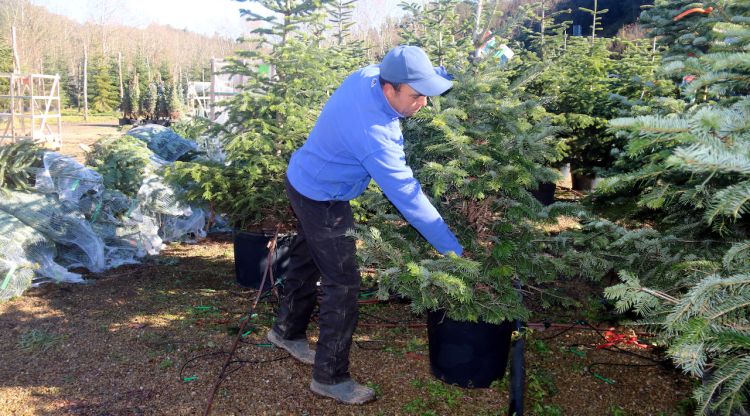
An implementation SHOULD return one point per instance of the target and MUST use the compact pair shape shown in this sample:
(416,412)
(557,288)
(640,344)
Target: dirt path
(150,339)
(76,136)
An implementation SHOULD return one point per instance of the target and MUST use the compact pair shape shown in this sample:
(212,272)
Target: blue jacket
(358,137)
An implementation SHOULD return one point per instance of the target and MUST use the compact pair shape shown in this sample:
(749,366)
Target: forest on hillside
(50,43)
(161,60)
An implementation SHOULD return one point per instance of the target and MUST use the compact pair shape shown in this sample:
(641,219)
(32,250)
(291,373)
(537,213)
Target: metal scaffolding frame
(30,109)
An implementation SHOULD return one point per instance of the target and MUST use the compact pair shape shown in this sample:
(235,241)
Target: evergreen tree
(346,53)
(132,101)
(103,90)
(341,12)
(444,36)
(162,102)
(126,104)
(596,18)
(149,101)
(145,75)
(545,28)
(694,180)
(272,116)
(576,86)
(476,151)
(174,101)
(6,56)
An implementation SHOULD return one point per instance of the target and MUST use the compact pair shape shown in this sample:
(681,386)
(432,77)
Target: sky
(207,17)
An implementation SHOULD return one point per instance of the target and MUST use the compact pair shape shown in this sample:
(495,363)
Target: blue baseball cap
(410,65)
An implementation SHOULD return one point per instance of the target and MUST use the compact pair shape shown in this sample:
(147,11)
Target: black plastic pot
(545,193)
(583,183)
(251,258)
(468,354)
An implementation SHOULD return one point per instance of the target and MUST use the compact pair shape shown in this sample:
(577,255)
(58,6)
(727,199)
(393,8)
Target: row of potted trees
(478,151)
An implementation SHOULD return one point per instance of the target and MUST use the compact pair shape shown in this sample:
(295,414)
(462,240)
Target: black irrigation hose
(359,344)
(219,353)
(557,334)
(268,273)
(390,321)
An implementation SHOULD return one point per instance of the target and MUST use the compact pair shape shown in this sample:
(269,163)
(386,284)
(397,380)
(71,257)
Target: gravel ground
(150,339)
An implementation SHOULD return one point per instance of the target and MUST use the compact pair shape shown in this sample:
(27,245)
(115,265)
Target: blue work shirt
(357,137)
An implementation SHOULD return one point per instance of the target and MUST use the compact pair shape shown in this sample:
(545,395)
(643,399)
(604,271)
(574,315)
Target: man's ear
(388,90)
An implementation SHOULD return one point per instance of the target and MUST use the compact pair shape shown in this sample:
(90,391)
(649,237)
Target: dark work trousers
(322,250)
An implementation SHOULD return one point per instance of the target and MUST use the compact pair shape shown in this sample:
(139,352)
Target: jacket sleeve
(388,168)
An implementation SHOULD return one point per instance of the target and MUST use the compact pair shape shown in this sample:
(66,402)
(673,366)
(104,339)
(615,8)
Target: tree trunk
(16,60)
(85,83)
(478,32)
(541,27)
(593,23)
(119,73)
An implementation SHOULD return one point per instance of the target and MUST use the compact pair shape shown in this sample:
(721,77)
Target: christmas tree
(686,168)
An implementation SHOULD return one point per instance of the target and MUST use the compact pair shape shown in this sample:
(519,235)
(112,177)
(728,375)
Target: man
(357,137)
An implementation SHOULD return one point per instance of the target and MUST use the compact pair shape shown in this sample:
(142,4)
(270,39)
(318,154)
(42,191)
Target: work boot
(298,349)
(349,392)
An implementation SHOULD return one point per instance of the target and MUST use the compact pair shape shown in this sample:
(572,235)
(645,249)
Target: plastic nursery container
(468,354)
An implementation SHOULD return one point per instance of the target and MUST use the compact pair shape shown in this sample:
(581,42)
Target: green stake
(8,275)
(605,379)
(577,352)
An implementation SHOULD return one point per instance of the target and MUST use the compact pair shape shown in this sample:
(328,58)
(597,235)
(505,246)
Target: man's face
(406,101)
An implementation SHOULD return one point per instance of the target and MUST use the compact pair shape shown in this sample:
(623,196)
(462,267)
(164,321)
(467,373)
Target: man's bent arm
(389,170)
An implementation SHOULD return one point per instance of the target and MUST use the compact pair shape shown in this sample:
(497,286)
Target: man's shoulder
(362,78)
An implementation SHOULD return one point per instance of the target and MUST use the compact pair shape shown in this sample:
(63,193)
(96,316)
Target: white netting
(60,223)
(163,141)
(157,197)
(22,251)
(127,233)
(188,229)
(67,178)
(142,232)
(211,149)
(16,271)
(15,277)
(74,221)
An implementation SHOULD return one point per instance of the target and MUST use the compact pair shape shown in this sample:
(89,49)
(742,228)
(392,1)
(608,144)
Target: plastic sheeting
(211,149)
(127,232)
(163,141)
(157,197)
(23,251)
(60,223)
(74,221)
(66,177)
(187,229)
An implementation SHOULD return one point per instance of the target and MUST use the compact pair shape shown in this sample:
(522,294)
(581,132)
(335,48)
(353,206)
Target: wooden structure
(224,85)
(198,98)
(30,109)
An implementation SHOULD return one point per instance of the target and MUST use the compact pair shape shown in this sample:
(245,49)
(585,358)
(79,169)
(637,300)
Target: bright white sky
(202,16)
(208,17)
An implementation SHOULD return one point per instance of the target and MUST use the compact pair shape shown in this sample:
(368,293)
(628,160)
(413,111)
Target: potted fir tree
(475,151)
(266,122)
